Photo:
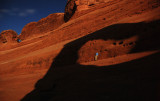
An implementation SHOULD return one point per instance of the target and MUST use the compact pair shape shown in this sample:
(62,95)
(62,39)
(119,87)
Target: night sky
(15,14)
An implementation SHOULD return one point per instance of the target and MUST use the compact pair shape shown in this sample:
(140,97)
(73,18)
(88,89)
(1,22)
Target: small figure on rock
(96,56)
(18,40)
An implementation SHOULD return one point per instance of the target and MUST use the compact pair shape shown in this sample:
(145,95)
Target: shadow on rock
(66,80)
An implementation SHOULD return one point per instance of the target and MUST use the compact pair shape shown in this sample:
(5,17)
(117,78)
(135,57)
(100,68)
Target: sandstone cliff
(44,25)
(80,5)
(125,33)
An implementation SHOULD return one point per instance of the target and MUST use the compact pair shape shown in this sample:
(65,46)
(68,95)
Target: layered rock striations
(123,33)
(79,5)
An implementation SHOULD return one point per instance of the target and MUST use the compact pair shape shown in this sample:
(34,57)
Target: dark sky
(15,14)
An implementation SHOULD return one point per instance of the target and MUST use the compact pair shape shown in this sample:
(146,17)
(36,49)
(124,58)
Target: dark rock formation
(79,5)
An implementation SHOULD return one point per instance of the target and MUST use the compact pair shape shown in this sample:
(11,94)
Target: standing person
(96,56)
(19,40)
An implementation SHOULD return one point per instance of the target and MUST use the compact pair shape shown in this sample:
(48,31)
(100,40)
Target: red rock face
(113,29)
(8,36)
(79,5)
(70,9)
(44,25)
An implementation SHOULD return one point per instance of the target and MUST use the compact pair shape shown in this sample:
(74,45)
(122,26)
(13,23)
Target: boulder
(8,36)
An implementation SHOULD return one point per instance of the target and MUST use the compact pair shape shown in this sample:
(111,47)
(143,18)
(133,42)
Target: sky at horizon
(15,14)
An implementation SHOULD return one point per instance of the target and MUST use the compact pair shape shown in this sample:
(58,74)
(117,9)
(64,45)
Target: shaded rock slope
(112,28)
(48,65)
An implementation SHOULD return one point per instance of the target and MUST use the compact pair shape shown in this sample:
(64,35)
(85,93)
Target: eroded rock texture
(44,25)
(79,5)
(8,36)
